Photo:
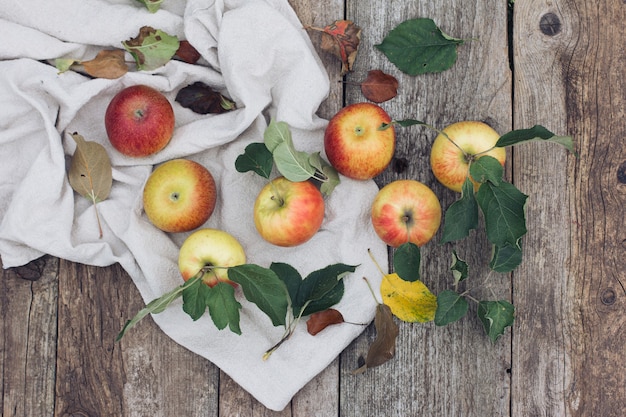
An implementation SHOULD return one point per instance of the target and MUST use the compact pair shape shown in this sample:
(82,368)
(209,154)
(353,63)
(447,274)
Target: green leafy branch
(279,150)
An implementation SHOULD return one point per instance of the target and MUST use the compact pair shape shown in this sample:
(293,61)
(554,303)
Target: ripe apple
(288,213)
(354,143)
(210,252)
(459,144)
(406,211)
(139,121)
(179,195)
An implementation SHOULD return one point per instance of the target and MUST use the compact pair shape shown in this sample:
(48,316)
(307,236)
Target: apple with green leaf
(288,213)
(179,196)
(210,252)
(355,144)
(457,146)
(139,121)
(406,211)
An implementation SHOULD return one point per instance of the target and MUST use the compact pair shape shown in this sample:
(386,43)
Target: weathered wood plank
(28,310)
(570,338)
(454,370)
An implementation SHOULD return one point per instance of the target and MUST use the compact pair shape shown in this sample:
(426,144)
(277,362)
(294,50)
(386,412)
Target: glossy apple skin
(210,247)
(354,144)
(139,121)
(288,213)
(179,196)
(447,161)
(406,211)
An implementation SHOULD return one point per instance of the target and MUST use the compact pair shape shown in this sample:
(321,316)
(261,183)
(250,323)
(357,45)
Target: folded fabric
(256,52)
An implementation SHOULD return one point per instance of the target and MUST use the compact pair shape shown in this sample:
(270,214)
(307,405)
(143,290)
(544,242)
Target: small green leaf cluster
(278,150)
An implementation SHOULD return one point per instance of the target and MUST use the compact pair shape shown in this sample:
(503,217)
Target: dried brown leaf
(341,38)
(384,346)
(186,52)
(202,99)
(379,86)
(320,320)
(108,64)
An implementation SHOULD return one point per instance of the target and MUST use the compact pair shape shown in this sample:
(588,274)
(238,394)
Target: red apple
(406,211)
(456,146)
(139,121)
(354,143)
(288,213)
(179,196)
(210,252)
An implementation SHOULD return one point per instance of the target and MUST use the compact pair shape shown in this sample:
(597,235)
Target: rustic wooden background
(557,63)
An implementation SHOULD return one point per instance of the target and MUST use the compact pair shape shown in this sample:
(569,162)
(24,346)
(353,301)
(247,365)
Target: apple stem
(276,195)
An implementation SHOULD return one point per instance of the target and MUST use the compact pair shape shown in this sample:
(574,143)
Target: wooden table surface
(557,63)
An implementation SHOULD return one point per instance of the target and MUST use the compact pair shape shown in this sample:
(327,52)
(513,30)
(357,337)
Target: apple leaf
(406,261)
(341,38)
(275,134)
(109,64)
(322,319)
(151,48)
(292,164)
(486,168)
(262,287)
(506,258)
(535,133)
(461,216)
(202,99)
(410,301)
(459,268)
(317,285)
(90,173)
(418,46)
(194,300)
(64,64)
(503,209)
(289,276)
(187,53)
(329,299)
(257,158)
(151,5)
(496,316)
(379,86)
(384,346)
(450,307)
(223,307)
(330,174)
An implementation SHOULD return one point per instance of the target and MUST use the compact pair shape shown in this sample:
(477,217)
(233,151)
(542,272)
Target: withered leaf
(90,173)
(322,319)
(151,48)
(108,64)
(379,86)
(341,38)
(186,52)
(384,346)
(202,99)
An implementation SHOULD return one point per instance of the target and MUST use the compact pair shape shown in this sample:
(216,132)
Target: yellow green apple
(406,211)
(288,213)
(354,143)
(457,145)
(179,195)
(210,252)
(139,121)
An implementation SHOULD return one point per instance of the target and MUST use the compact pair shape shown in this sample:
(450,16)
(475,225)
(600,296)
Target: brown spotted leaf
(341,38)
(90,173)
(108,64)
(379,86)
(202,99)
(322,319)
(151,48)
(384,346)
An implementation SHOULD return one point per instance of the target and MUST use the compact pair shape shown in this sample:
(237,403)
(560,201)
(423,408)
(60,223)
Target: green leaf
(290,276)
(503,209)
(487,168)
(331,175)
(496,316)
(262,287)
(450,307)
(275,134)
(158,305)
(418,46)
(403,123)
(151,5)
(406,262)
(461,216)
(459,268)
(535,133)
(152,48)
(223,307)
(257,158)
(194,300)
(292,164)
(331,298)
(319,283)
(506,258)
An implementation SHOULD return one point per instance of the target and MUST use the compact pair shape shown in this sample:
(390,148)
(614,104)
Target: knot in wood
(608,297)
(550,24)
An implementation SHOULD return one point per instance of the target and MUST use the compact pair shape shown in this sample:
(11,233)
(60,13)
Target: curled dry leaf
(384,346)
(322,319)
(108,64)
(202,99)
(90,173)
(379,86)
(186,52)
(341,38)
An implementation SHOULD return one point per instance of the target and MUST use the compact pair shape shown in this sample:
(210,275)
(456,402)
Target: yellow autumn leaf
(408,300)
